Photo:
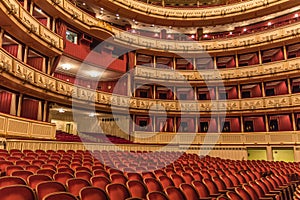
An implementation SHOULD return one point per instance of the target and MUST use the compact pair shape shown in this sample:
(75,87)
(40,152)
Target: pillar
(13,104)
(19,105)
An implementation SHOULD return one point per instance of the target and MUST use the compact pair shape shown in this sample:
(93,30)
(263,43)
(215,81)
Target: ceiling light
(192,36)
(230,33)
(83,3)
(205,35)
(39,10)
(66,66)
(156,35)
(94,74)
(133,31)
(117,15)
(244,29)
(269,23)
(61,110)
(169,36)
(92,114)
(296,15)
(152,25)
(101,9)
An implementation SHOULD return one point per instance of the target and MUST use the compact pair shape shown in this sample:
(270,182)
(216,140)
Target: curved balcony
(194,16)
(18,22)
(274,138)
(95,27)
(23,78)
(256,72)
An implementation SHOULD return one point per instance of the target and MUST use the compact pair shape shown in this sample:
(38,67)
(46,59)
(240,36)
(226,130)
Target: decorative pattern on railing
(257,39)
(14,9)
(21,127)
(291,137)
(143,72)
(11,66)
(196,13)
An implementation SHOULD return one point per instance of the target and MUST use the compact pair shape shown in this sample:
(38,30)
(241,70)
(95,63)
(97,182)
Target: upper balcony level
(183,17)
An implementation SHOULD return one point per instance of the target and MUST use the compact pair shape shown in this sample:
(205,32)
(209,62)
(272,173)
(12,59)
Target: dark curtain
(29,108)
(36,62)
(11,49)
(61,29)
(5,101)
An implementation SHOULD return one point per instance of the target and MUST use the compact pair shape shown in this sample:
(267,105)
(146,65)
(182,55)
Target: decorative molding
(48,83)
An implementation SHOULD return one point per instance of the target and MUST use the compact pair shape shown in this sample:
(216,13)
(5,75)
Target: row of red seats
(63,166)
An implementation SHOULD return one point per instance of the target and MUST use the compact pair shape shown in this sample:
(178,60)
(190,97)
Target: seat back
(117,191)
(74,185)
(48,187)
(137,188)
(189,191)
(16,192)
(153,184)
(174,193)
(92,193)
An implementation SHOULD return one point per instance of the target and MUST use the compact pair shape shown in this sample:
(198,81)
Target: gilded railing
(65,8)
(16,126)
(290,137)
(31,24)
(231,74)
(196,13)
(13,67)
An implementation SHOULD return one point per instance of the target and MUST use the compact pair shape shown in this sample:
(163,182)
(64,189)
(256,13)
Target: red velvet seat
(117,191)
(174,193)
(16,192)
(74,185)
(35,179)
(93,193)
(48,187)
(62,177)
(137,188)
(11,180)
(60,196)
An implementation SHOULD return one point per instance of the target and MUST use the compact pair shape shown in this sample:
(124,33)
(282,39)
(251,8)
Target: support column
(129,85)
(53,25)
(267,123)
(218,124)
(215,62)
(217,93)
(263,91)
(154,61)
(19,55)
(294,121)
(289,86)
(195,93)
(239,91)
(236,60)
(175,124)
(194,64)
(40,111)
(25,4)
(259,57)
(154,92)
(242,124)
(26,54)
(13,104)
(285,52)
(135,60)
(44,67)
(269,153)
(48,67)
(174,63)
(31,8)
(197,124)
(45,111)
(19,105)
(1,37)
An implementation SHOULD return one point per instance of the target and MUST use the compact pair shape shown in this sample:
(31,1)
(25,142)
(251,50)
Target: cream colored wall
(62,126)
